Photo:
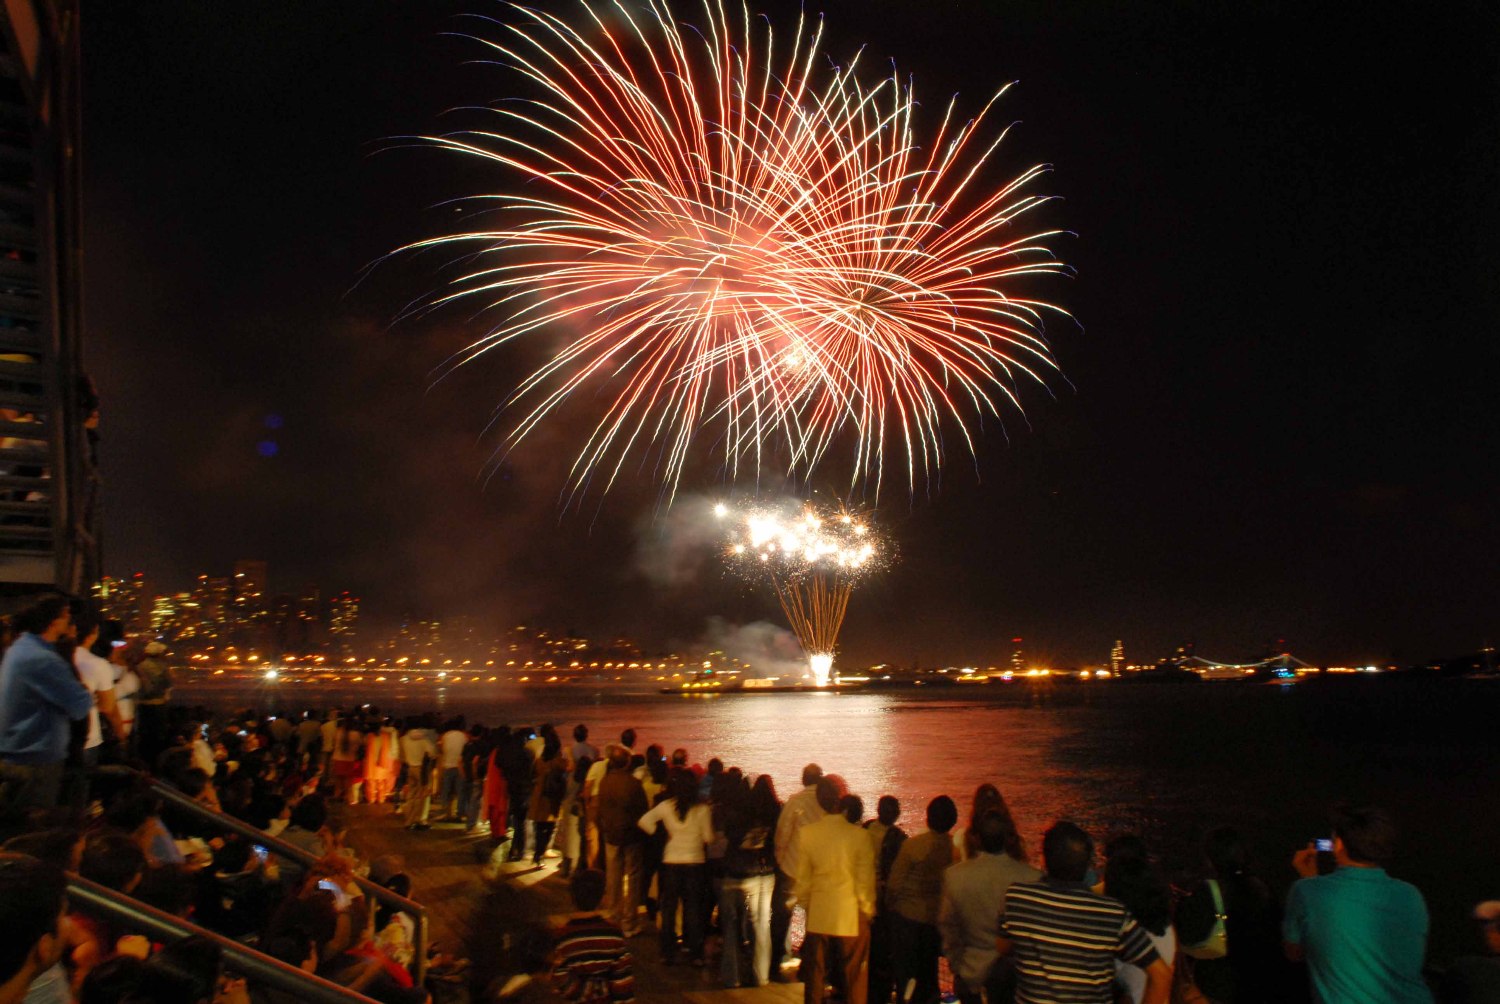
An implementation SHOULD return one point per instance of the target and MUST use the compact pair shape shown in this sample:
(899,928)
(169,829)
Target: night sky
(1279,418)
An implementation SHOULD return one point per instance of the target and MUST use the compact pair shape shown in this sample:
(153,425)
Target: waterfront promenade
(491,911)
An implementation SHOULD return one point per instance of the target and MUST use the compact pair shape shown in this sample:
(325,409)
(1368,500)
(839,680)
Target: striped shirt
(593,965)
(1066,939)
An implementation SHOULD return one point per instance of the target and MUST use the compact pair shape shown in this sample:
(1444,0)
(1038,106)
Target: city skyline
(1275,421)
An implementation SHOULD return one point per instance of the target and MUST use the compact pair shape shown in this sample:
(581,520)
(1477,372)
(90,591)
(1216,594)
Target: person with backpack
(547,793)
(151,701)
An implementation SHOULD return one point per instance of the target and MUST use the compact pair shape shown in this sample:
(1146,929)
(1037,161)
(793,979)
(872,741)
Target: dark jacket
(622,803)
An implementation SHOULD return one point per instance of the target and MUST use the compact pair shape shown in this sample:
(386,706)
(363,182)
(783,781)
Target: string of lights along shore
(752,252)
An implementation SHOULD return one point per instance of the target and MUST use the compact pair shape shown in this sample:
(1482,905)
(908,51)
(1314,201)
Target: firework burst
(814,556)
(742,246)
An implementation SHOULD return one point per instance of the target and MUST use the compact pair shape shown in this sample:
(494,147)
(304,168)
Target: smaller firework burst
(814,556)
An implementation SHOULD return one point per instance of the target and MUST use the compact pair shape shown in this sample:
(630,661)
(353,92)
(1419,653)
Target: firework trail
(814,556)
(742,244)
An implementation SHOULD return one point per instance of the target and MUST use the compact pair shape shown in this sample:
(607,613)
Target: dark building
(49,505)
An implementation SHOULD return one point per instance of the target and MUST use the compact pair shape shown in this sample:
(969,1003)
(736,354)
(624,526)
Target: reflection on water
(1169,763)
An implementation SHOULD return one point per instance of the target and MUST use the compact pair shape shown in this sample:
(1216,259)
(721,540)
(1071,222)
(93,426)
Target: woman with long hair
(690,830)
(987,798)
(549,786)
(1131,878)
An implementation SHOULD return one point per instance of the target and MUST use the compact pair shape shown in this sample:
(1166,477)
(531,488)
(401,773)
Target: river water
(1168,762)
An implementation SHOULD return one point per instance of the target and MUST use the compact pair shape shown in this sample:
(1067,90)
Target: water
(1166,762)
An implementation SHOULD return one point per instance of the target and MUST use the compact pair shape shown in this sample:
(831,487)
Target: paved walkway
(494,912)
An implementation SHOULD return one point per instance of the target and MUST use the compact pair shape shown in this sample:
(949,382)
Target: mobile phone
(340,897)
(260,852)
(1323,845)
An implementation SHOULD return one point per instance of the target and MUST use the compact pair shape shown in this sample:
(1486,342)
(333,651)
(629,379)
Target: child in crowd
(591,963)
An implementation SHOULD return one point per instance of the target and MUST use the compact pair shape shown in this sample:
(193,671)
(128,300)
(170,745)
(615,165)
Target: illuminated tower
(1017,657)
(1117,658)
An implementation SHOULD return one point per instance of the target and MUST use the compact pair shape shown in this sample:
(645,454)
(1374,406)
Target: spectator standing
(1252,969)
(689,827)
(1135,881)
(567,838)
(518,780)
(914,892)
(419,750)
(1066,937)
(451,765)
(800,810)
(750,816)
(111,646)
(151,701)
(1475,979)
(476,764)
(591,963)
(382,762)
(549,785)
(581,745)
(835,884)
(973,904)
(622,803)
(886,839)
(39,695)
(1362,933)
(99,677)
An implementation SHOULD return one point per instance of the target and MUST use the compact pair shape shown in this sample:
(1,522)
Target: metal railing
(291,852)
(240,958)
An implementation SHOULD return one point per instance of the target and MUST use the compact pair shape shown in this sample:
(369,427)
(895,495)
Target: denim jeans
(745,913)
(682,885)
(473,802)
(450,791)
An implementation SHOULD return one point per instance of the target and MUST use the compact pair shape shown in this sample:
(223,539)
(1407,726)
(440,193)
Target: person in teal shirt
(1362,933)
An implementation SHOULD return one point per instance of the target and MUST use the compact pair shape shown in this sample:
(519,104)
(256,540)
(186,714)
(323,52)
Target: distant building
(250,591)
(1117,658)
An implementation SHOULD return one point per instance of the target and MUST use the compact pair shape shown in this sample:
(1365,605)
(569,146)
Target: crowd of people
(706,855)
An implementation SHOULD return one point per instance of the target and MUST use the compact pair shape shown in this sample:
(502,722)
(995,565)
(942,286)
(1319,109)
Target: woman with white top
(1131,878)
(683,876)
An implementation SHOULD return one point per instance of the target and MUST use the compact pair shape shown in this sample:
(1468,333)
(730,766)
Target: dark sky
(1279,418)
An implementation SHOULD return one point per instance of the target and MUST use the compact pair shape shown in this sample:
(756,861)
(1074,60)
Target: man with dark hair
(913,894)
(39,695)
(591,963)
(973,902)
(801,809)
(33,897)
(581,745)
(1066,937)
(622,803)
(886,839)
(835,883)
(1362,933)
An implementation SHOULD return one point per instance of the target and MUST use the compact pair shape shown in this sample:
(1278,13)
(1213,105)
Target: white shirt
(203,756)
(127,685)
(686,838)
(99,676)
(1134,977)
(416,744)
(452,747)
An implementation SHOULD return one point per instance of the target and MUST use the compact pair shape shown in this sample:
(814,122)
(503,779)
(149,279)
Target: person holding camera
(1362,933)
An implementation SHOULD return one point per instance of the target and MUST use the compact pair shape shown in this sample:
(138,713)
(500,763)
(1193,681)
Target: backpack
(156,679)
(1216,944)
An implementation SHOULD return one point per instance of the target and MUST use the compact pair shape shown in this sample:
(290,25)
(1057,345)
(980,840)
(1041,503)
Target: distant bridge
(1284,664)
